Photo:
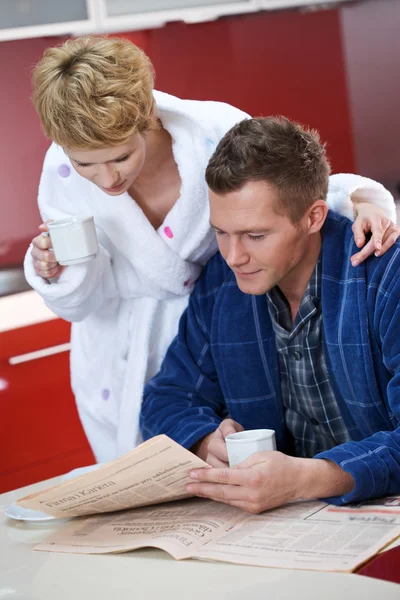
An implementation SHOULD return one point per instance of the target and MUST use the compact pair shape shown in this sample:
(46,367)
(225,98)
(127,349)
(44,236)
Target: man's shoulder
(337,224)
(339,246)
(383,272)
(216,275)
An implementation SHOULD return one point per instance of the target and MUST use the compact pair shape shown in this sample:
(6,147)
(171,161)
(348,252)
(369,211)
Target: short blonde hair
(94,92)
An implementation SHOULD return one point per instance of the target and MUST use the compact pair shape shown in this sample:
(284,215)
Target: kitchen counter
(149,574)
(20,310)
(12,281)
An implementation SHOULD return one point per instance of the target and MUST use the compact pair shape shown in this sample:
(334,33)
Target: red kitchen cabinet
(41,434)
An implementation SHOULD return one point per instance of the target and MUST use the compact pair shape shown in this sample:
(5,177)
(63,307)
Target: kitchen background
(335,67)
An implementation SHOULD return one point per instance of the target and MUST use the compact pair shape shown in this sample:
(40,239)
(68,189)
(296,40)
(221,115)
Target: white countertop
(151,574)
(20,310)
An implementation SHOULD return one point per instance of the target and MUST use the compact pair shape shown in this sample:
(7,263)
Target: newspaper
(301,535)
(297,536)
(156,471)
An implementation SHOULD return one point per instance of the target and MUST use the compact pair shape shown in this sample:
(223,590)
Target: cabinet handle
(21,358)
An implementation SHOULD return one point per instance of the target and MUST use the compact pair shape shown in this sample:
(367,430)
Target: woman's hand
(384,232)
(44,261)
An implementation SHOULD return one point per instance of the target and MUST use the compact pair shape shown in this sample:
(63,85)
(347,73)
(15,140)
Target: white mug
(243,444)
(74,239)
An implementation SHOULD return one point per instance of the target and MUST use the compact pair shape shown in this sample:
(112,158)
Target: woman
(135,159)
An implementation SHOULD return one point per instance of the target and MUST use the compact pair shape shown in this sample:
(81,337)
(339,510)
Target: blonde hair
(94,92)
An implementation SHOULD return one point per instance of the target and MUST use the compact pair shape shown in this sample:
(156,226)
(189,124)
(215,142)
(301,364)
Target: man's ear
(316,216)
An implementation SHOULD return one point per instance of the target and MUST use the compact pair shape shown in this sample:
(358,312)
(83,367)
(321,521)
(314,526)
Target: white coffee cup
(74,239)
(243,444)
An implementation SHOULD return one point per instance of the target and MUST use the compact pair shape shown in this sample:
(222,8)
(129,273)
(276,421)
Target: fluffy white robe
(125,304)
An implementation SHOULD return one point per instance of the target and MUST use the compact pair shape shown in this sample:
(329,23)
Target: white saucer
(24,514)
(18,513)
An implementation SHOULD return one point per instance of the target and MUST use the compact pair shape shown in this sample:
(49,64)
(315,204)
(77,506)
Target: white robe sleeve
(82,288)
(79,291)
(346,188)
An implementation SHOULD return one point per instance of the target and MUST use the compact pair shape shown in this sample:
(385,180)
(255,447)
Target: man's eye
(256,238)
(82,165)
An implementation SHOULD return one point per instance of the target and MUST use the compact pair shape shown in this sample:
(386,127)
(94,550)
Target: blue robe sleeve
(374,462)
(184,400)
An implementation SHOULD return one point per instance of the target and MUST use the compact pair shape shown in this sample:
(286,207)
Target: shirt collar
(309,305)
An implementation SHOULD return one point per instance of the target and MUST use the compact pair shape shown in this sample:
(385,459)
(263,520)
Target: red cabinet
(41,434)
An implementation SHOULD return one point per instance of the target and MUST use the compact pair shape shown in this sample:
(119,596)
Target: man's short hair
(94,92)
(286,155)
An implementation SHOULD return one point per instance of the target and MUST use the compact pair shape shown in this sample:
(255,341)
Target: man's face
(262,247)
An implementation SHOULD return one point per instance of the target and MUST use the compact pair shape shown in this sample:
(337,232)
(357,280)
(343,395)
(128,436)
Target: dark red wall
(287,63)
(22,147)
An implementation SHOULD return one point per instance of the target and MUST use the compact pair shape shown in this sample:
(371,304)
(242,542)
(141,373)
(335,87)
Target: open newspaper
(130,503)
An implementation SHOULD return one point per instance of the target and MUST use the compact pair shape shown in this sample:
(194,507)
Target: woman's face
(113,169)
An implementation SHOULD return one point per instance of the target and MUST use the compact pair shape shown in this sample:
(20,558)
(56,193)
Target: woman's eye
(122,159)
(82,165)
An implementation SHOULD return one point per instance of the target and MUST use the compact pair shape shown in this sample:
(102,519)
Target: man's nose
(236,254)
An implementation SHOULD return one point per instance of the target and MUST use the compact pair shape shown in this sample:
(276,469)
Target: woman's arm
(80,289)
(373,208)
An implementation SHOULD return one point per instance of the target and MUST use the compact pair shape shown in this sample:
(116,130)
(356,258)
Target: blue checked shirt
(311,411)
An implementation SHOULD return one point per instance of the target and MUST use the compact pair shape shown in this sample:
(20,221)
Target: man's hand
(371,218)
(269,479)
(212,448)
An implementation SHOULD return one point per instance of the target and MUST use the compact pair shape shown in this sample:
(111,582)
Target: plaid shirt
(311,411)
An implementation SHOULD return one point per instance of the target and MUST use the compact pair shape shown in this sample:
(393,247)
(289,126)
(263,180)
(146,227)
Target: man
(283,332)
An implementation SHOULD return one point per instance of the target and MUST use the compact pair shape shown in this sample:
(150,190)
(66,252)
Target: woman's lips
(115,188)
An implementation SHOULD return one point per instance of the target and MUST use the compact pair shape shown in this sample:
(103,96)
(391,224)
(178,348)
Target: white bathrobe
(126,303)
